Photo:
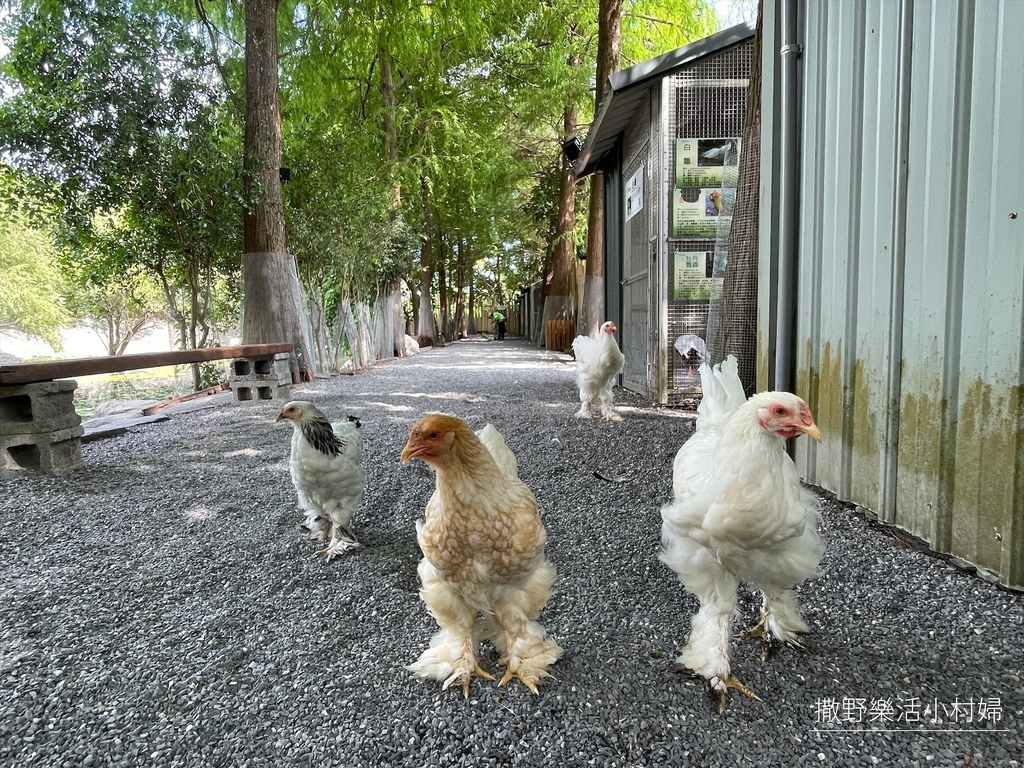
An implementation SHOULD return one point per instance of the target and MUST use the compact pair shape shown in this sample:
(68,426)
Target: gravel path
(161,607)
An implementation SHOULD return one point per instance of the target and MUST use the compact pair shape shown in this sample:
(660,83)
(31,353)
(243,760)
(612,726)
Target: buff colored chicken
(326,466)
(740,514)
(483,553)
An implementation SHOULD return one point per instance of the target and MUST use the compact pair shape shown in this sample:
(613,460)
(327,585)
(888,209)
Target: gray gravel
(161,607)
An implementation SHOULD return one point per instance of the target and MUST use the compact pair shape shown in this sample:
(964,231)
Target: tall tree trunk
(442,288)
(387,99)
(414,301)
(460,291)
(270,309)
(426,331)
(608,54)
(559,319)
(471,324)
(398,323)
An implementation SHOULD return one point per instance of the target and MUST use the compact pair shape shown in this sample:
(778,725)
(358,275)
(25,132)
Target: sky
(735,11)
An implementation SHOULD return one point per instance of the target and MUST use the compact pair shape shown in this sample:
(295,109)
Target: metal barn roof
(625,92)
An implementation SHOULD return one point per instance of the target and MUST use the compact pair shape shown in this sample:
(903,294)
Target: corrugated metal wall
(910,322)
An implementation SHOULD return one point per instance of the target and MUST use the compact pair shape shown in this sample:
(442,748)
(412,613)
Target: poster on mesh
(707,171)
(635,193)
(693,276)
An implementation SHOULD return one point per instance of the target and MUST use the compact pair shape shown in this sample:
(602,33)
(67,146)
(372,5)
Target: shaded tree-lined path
(160,606)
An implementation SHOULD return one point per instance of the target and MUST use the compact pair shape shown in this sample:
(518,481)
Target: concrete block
(261,378)
(266,367)
(253,388)
(52,452)
(44,407)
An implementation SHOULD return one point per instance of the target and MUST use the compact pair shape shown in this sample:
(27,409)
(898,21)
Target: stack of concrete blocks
(265,377)
(39,429)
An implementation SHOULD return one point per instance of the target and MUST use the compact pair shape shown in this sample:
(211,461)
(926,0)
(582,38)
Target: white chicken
(483,552)
(740,514)
(327,471)
(598,362)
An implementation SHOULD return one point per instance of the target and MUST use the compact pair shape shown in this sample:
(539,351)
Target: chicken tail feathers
(722,392)
(498,448)
(349,438)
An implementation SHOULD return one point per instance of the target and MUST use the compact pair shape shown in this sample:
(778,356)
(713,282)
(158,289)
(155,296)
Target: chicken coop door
(636,282)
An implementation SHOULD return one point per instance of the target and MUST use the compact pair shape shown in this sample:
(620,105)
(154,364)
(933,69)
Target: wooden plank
(149,410)
(30,373)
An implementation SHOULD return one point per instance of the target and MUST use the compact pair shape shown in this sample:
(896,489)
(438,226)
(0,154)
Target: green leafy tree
(115,300)
(114,106)
(32,281)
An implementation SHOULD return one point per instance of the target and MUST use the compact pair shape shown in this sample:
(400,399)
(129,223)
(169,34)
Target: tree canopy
(421,139)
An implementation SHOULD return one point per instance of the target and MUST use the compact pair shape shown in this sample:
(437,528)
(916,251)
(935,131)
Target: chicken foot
(780,623)
(466,675)
(720,688)
(509,674)
(769,642)
(584,412)
(340,540)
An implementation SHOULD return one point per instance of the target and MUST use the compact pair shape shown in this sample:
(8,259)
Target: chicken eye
(780,411)
(432,436)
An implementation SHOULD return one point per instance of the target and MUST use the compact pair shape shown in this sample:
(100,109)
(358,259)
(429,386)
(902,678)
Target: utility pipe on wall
(789,187)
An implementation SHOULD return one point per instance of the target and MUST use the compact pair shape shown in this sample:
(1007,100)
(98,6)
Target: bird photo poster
(707,162)
(635,193)
(707,171)
(693,276)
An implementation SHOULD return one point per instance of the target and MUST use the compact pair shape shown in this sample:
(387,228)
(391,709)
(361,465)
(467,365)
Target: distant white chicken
(740,514)
(598,362)
(327,471)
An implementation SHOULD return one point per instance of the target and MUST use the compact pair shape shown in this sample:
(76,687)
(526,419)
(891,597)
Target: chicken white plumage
(598,362)
(483,553)
(327,471)
(740,514)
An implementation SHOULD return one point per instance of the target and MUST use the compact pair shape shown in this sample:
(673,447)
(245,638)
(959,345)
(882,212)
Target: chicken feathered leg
(451,657)
(707,650)
(780,623)
(340,540)
(584,411)
(522,642)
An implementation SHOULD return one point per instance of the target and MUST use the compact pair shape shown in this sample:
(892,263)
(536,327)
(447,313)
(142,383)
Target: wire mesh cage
(706,111)
(640,199)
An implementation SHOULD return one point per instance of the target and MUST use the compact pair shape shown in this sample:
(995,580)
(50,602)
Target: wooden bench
(40,430)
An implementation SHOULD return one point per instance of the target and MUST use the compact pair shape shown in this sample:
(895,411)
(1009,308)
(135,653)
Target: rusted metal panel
(910,321)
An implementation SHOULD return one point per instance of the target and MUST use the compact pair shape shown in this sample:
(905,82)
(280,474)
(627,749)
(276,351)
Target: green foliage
(94,85)
(131,110)
(113,111)
(116,299)
(32,281)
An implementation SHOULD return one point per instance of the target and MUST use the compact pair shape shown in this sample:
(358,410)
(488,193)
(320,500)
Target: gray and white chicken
(327,471)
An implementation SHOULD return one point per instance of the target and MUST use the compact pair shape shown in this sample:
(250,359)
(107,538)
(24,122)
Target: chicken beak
(811,430)
(411,451)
